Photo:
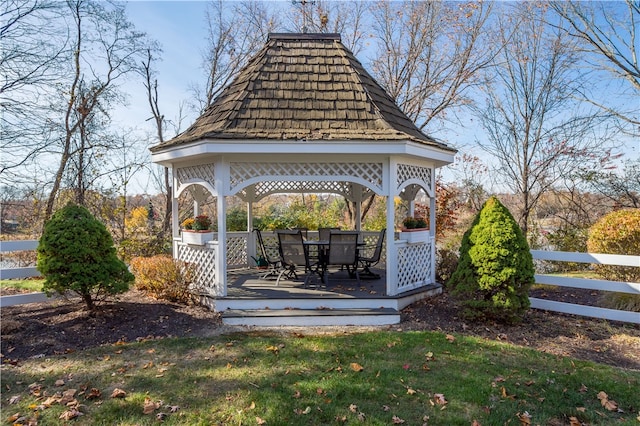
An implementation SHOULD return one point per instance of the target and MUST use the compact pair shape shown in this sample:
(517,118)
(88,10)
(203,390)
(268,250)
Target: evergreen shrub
(495,270)
(76,253)
(165,278)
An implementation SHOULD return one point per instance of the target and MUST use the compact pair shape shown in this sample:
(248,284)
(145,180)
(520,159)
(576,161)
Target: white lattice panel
(262,189)
(205,260)
(414,266)
(237,252)
(408,172)
(370,172)
(204,172)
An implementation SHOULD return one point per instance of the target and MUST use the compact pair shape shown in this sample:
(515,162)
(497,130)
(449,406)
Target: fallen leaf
(161,417)
(607,403)
(386,408)
(68,396)
(356,367)
(273,349)
(15,399)
(118,393)
(406,366)
(450,338)
(583,389)
(173,408)
(361,416)
(439,399)
(397,420)
(150,406)
(353,408)
(411,391)
(525,418)
(573,421)
(59,383)
(13,418)
(307,410)
(261,421)
(70,414)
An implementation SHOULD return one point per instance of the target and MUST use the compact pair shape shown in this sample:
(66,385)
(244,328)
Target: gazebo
(303,117)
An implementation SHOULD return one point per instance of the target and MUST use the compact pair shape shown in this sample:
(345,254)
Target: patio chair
(323,233)
(343,252)
(266,253)
(303,231)
(371,258)
(293,255)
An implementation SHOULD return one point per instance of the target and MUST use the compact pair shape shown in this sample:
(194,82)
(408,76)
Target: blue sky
(180,28)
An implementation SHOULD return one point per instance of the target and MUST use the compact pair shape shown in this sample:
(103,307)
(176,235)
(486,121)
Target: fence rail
(589,284)
(23,245)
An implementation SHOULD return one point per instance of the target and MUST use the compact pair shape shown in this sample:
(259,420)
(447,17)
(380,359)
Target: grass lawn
(373,378)
(30,284)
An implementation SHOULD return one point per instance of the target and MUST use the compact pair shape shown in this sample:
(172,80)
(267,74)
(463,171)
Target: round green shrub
(495,269)
(616,233)
(76,254)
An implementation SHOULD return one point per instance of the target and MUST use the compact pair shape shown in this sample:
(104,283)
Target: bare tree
(536,129)
(151,85)
(622,189)
(321,16)
(608,31)
(236,31)
(30,58)
(104,50)
(430,54)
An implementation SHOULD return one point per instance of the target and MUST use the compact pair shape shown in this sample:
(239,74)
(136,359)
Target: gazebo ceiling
(303,88)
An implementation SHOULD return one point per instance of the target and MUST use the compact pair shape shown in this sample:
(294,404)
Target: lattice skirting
(206,279)
(414,266)
(237,252)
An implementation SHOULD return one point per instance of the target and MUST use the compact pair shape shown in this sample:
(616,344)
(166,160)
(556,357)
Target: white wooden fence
(590,284)
(559,256)
(9,246)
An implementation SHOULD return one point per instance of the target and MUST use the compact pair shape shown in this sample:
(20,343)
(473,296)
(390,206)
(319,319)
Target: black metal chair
(293,255)
(267,254)
(370,256)
(343,252)
(323,233)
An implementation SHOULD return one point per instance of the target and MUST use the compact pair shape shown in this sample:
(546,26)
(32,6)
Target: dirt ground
(44,329)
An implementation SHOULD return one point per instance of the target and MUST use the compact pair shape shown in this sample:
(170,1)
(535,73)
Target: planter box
(413,236)
(198,238)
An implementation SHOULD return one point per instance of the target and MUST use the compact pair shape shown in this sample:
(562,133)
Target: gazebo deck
(247,284)
(252,300)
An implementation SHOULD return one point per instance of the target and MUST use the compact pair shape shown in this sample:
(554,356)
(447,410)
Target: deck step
(311,317)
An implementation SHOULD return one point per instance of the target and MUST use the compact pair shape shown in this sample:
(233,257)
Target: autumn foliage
(617,233)
(163,277)
(495,270)
(76,253)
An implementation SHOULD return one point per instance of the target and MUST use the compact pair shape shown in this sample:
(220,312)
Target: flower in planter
(198,223)
(188,223)
(414,222)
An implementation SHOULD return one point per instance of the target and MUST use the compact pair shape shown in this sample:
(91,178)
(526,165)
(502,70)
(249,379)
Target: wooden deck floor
(246,283)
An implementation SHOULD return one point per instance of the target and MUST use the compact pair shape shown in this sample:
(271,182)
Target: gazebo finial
(305,18)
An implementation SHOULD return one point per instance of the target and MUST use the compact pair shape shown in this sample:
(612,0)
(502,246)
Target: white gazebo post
(432,223)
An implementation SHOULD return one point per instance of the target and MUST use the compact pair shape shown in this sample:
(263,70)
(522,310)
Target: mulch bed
(58,327)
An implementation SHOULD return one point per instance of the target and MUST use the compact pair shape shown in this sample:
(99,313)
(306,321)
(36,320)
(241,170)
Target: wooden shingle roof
(303,87)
